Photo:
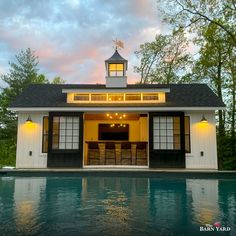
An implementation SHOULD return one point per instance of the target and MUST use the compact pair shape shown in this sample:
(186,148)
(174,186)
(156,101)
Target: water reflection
(27,196)
(115,205)
(203,195)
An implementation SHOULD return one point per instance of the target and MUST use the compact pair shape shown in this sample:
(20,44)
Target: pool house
(117,124)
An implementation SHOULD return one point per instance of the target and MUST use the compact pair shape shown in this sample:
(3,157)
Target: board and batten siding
(203,139)
(29,138)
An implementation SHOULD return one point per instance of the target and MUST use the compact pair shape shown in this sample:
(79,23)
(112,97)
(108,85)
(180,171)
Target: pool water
(116,205)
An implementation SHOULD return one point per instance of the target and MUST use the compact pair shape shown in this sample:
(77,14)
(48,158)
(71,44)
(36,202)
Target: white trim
(115,90)
(135,109)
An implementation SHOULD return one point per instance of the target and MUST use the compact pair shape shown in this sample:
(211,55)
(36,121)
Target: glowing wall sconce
(203,120)
(29,120)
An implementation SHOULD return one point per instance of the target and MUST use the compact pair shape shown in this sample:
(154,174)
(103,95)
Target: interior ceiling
(112,116)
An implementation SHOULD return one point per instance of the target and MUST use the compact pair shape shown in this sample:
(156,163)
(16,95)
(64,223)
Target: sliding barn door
(65,146)
(166,144)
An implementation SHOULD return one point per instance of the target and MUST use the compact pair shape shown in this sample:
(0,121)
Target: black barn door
(166,140)
(65,144)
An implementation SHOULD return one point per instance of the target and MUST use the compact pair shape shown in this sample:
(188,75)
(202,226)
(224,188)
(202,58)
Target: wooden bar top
(110,141)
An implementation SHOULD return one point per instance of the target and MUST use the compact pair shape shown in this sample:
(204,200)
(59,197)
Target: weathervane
(118,44)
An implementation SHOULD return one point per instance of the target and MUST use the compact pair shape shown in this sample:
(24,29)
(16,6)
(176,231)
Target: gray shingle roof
(180,95)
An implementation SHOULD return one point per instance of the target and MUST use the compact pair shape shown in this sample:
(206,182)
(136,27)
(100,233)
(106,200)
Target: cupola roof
(116,57)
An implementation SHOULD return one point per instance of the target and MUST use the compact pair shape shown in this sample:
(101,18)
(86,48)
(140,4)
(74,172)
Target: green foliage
(58,80)
(228,157)
(7,152)
(213,26)
(164,60)
(21,73)
(195,15)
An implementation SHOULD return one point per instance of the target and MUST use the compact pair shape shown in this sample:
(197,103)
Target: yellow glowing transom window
(117,97)
(116,69)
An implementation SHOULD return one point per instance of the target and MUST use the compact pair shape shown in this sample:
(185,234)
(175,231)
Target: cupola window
(116,69)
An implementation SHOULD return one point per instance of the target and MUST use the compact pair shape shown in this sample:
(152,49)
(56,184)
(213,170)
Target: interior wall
(138,130)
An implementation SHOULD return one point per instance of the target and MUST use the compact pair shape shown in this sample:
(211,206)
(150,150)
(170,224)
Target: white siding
(203,139)
(29,138)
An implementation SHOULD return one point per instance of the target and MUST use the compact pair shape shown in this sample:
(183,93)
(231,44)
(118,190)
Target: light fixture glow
(108,114)
(203,120)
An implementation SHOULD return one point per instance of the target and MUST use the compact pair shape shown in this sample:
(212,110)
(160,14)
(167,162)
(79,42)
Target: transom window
(117,97)
(132,97)
(150,96)
(98,97)
(81,97)
(116,69)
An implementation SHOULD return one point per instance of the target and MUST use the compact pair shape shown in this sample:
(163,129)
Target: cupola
(116,67)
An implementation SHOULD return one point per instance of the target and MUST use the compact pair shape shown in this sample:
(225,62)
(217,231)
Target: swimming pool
(117,205)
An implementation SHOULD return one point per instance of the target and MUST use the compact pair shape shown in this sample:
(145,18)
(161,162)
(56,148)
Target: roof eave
(75,108)
(99,90)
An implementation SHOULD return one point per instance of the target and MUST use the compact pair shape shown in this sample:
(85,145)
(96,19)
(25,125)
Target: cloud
(72,38)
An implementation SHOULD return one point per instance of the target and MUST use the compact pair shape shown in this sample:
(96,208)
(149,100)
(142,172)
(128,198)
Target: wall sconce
(29,120)
(203,120)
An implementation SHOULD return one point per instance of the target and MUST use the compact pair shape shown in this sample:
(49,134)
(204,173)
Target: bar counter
(116,152)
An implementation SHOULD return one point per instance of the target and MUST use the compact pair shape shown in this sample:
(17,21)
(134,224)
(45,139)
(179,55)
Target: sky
(72,38)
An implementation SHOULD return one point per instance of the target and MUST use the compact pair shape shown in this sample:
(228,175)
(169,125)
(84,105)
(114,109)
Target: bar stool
(126,152)
(110,152)
(141,152)
(93,152)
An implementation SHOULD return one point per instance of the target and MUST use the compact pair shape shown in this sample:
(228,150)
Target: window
(166,133)
(45,135)
(65,132)
(107,97)
(98,97)
(187,134)
(133,97)
(81,97)
(150,96)
(116,70)
(116,97)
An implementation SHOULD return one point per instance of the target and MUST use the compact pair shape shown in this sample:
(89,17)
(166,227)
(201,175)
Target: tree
(193,15)
(213,25)
(22,72)
(58,80)
(164,60)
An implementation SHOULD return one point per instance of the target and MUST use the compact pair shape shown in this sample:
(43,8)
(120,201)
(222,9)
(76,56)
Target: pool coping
(114,172)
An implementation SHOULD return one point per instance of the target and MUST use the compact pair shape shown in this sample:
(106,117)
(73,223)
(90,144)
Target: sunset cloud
(72,38)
